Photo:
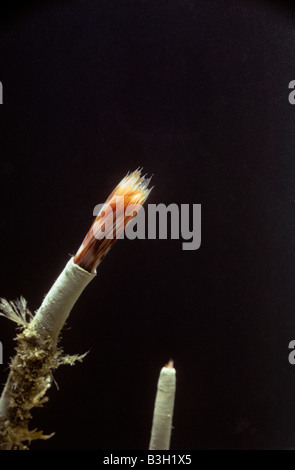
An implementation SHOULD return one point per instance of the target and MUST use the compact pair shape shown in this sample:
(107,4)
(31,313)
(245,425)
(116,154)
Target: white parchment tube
(37,353)
(163,411)
(54,311)
(56,306)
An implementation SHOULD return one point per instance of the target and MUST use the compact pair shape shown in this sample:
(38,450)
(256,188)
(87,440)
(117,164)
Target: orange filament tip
(105,230)
(170,364)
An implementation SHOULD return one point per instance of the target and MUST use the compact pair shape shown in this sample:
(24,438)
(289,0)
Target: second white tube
(163,411)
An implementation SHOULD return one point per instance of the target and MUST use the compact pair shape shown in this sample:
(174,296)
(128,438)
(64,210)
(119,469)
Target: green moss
(29,380)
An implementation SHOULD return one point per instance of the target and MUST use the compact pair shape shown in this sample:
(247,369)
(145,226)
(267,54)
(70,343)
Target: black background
(196,92)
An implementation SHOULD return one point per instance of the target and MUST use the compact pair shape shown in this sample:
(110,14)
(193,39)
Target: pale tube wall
(54,311)
(163,411)
(56,306)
